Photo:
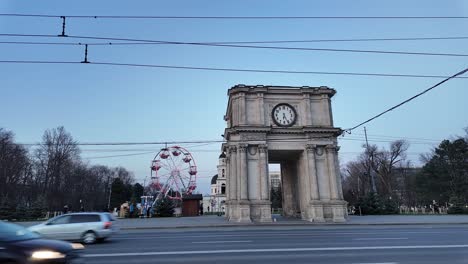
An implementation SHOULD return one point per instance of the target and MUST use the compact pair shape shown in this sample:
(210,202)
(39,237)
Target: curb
(287,225)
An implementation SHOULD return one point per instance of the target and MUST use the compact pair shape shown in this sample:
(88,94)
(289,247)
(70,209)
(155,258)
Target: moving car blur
(86,227)
(21,246)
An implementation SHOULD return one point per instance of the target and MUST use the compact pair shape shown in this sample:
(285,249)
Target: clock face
(284,115)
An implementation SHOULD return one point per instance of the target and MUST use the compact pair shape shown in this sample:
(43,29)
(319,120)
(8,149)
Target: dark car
(19,245)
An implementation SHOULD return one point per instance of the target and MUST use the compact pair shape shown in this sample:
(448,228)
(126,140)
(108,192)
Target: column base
(315,212)
(260,211)
(239,212)
(339,210)
(336,210)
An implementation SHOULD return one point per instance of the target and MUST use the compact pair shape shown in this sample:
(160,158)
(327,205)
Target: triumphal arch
(292,126)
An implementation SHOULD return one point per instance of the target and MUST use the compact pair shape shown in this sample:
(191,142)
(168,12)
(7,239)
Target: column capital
(232,149)
(332,148)
(243,148)
(262,148)
(311,148)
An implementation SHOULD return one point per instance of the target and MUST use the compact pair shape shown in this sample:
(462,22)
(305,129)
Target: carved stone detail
(243,148)
(262,148)
(311,147)
(331,148)
(252,150)
(253,136)
(232,149)
(319,151)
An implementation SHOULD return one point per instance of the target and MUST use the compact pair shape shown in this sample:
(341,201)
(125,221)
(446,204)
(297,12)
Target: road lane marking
(216,242)
(381,238)
(377,263)
(264,250)
(321,234)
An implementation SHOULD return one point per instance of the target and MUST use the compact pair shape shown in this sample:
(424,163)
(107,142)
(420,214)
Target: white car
(85,227)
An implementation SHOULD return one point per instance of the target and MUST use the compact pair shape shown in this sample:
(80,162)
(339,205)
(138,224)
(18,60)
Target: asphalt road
(383,244)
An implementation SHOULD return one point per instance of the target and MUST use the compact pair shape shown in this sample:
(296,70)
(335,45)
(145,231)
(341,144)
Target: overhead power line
(246,46)
(236,17)
(122,155)
(238,42)
(162,143)
(226,69)
(408,100)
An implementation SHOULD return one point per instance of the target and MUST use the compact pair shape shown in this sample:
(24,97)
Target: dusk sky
(100,103)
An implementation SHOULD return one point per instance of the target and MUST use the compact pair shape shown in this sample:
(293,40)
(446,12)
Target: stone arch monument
(292,126)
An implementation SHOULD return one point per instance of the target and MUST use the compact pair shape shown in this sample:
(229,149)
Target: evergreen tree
(164,208)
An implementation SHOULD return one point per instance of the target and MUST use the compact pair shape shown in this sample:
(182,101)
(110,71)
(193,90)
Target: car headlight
(47,254)
(77,246)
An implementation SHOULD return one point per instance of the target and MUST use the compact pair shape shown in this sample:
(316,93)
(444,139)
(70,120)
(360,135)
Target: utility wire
(251,46)
(290,139)
(232,42)
(235,17)
(408,100)
(226,69)
(122,155)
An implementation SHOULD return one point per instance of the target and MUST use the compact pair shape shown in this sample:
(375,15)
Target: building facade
(216,202)
(292,126)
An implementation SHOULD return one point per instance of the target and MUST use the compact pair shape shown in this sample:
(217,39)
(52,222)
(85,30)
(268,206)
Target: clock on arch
(284,115)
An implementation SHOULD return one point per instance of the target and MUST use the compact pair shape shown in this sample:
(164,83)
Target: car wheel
(89,237)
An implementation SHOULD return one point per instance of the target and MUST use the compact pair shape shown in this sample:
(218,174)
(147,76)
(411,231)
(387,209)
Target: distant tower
(218,186)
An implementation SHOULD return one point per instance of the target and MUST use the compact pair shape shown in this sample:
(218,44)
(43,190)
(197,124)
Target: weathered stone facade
(306,148)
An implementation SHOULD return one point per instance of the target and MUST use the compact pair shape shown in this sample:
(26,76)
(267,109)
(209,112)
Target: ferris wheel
(173,173)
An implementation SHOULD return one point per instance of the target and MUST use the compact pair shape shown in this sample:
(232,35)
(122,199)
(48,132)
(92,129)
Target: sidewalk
(220,221)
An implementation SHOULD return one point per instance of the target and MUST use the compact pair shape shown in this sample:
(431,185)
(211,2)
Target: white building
(215,202)
(275,179)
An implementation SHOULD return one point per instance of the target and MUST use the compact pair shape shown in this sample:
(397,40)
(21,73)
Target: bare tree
(382,163)
(14,168)
(56,157)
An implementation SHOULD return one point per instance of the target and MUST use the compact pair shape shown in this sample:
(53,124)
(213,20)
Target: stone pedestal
(240,212)
(315,212)
(339,211)
(260,211)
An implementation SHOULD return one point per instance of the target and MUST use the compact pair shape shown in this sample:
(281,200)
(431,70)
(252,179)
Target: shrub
(374,204)
(164,208)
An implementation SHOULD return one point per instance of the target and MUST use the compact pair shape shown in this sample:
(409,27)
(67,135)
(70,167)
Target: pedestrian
(65,209)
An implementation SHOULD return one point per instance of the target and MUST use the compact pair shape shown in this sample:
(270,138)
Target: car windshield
(109,217)
(12,232)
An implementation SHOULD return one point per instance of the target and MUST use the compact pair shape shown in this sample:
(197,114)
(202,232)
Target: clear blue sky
(120,104)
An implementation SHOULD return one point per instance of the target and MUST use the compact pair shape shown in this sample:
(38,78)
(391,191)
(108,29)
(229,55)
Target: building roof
(193,197)
(214,179)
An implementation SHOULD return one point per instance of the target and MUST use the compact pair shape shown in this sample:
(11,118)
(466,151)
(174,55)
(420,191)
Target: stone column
(254,186)
(338,206)
(228,186)
(337,168)
(263,171)
(314,194)
(316,206)
(226,162)
(303,186)
(233,173)
(332,174)
(243,172)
